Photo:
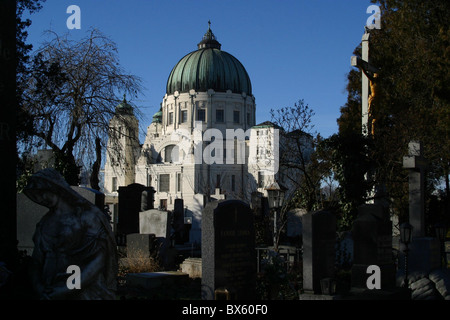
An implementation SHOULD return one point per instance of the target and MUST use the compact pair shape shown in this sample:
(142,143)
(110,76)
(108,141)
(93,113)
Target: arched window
(171,153)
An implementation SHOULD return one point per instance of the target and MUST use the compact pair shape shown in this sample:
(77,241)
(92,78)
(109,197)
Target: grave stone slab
(29,213)
(372,236)
(94,196)
(294,222)
(228,250)
(132,200)
(416,164)
(180,229)
(319,239)
(157,222)
(140,244)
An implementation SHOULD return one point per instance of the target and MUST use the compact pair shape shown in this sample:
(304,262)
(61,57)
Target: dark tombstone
(147,199)
(228,250)
(319,239)
(29,213)
(141,245)
(416,165)
(372,236)
(181,232)
(294,226)
(130,204)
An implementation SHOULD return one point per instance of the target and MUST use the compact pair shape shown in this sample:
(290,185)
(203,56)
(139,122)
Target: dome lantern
(209,40)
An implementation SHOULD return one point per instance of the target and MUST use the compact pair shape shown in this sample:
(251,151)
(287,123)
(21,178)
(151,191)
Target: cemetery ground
(278,281)
(236,259)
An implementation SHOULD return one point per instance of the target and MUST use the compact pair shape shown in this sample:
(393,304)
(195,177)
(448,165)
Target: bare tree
(299,163)
(69,98)
(300,167)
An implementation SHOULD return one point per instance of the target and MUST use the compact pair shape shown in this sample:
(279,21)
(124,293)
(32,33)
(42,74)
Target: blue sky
(292,49)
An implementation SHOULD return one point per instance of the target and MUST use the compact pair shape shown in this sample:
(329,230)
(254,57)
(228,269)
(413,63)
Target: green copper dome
(209,68)
(124,107)
(157,117)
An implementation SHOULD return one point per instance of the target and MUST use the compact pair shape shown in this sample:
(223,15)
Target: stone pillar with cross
(424,253)
(416,164)
(369,75)
(368,81)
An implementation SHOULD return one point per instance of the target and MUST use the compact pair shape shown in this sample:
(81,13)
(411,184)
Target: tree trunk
(96,166)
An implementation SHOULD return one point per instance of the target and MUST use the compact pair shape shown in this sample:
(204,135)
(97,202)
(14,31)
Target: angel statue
(74,232)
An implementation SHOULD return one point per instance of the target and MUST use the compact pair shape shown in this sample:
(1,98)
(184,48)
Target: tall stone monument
(416,164)
(372,236)
(319,240)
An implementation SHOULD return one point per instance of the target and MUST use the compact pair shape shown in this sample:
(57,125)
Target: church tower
(123,148)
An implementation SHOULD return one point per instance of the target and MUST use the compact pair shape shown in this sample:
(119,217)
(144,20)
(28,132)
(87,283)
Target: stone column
(424,254)
(415,162)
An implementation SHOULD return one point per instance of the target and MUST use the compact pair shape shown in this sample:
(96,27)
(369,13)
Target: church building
(203,144)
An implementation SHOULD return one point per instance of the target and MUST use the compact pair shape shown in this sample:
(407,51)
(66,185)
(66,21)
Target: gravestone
(180,229)
(29,213)
(372,245)
(228,250)
(157,222)
(94,196)
(133,199)
(416,165)
(140,245)
(319,239)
